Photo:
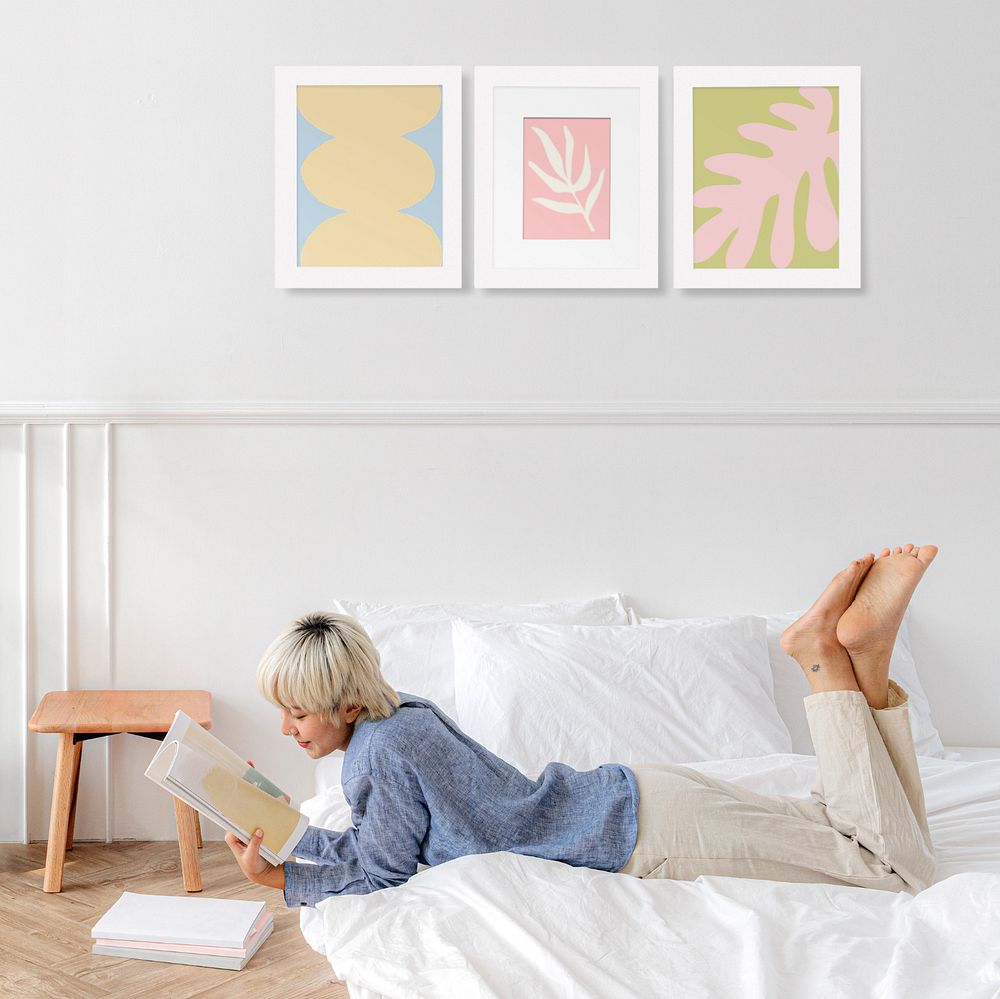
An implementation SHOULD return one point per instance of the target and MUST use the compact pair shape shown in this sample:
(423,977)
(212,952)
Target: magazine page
(219,793)
(196,767)
(187,731)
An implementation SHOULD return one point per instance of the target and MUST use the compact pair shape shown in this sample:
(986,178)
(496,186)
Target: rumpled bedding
(502,925)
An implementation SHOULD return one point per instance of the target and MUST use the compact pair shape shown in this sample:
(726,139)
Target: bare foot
(868,627)
(812,639)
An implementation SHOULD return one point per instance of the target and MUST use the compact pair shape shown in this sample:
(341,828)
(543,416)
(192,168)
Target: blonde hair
(322,661)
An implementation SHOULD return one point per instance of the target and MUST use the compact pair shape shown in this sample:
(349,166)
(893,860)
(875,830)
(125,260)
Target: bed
(499,925)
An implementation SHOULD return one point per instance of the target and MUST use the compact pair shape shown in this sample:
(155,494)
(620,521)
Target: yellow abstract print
(383,187)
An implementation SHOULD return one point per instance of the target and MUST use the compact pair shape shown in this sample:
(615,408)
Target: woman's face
(319,736)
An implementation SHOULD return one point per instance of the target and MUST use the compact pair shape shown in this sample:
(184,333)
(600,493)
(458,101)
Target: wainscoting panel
(88,613)
(13,637)
(47,591)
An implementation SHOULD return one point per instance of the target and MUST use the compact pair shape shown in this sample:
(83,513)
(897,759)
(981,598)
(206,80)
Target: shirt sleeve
(381,851)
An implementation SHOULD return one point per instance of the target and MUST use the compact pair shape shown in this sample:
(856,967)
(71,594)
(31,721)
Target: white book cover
(208,922)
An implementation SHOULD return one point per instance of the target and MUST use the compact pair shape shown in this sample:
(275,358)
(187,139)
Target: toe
(926,553)
(860,567)
(885,551)
(908,549)
(896,551)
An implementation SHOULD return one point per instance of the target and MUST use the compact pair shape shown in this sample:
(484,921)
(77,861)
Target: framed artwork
(368,177)
(767,177)
(566,177)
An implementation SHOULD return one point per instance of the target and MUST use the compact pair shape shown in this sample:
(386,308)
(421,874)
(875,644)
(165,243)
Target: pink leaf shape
(804,149)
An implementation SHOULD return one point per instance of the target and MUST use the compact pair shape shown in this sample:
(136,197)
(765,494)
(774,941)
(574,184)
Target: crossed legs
(865,823)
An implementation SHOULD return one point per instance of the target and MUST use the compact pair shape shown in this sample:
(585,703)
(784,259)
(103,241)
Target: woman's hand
(252,864)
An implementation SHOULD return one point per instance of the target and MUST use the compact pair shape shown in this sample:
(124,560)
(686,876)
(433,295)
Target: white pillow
(791,686)
(760,667)
(414,641)
(609,609)
(682,691)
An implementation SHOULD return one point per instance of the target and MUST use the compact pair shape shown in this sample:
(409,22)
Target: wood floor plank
(49,983)
(27,938)
(45,941)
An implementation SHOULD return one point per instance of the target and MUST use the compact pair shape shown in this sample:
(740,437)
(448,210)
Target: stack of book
(209,932)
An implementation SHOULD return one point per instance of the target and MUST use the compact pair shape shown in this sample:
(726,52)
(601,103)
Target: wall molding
(501,413)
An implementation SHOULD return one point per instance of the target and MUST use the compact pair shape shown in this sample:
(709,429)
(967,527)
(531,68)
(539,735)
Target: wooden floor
(45,939)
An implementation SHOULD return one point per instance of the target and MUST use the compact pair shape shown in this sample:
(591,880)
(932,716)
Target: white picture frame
(847,274)
(288,241)
(628,96)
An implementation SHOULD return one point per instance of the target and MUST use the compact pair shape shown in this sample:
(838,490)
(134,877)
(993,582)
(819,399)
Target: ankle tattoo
(815,668)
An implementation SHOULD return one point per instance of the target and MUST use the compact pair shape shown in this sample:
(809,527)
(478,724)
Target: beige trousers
(864,825)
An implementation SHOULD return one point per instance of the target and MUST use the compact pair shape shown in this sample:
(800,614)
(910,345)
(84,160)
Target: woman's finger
(253,848)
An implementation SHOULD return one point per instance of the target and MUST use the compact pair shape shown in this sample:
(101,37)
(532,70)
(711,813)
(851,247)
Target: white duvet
(502,925)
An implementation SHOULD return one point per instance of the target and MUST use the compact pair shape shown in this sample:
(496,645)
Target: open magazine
(197,768)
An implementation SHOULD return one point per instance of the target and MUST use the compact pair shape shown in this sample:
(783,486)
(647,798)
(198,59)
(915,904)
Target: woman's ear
(352,713)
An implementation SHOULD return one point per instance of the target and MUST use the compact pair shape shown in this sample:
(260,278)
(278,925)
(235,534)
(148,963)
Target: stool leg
(62,800)
(77,753)
(187,820)
(197,828)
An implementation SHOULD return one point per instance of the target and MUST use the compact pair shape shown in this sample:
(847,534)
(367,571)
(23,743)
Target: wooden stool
(78,715)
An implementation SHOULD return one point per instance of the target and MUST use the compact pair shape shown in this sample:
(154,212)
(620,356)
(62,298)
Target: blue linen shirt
(422,791)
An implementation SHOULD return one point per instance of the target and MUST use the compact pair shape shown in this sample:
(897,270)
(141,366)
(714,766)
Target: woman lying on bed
(421,791)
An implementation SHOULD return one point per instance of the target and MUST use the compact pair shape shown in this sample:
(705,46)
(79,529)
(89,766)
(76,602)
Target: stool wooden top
(118,710)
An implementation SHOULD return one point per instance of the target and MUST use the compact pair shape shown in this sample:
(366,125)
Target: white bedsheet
(501,925)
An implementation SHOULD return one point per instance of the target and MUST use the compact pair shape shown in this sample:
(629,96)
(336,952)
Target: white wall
(137,262)
(141,221)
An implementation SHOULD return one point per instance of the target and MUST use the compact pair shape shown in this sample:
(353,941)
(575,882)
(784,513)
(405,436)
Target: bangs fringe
(319,662)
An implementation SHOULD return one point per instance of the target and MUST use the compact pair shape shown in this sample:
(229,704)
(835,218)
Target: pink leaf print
(803,149)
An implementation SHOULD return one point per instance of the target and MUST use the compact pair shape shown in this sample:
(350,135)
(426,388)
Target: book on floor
(196,767)
(207,932)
